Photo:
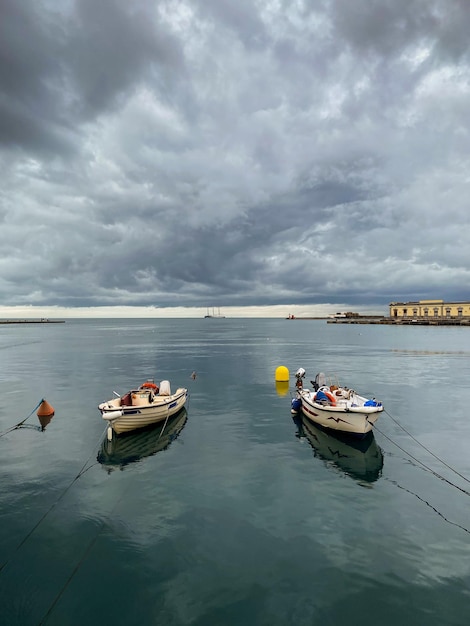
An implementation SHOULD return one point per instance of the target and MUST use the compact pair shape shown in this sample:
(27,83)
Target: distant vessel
(214,314)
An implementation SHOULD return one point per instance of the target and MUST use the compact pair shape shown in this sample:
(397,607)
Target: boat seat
(126,400)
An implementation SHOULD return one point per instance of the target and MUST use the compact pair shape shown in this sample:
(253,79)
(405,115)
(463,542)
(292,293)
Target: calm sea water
(238,515)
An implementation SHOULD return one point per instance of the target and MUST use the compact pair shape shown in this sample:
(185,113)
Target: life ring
(329,395)
(149,385)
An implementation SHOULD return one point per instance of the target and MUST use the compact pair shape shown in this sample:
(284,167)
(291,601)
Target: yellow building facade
(430,309)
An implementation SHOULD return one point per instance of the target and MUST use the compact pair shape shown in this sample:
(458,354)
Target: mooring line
(82,558)
(427,449)
(5,432)
(394,482)
(54,504)
(426,467)
(69,579)
(87,551)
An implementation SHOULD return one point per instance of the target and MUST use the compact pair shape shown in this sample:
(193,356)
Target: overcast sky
(234,153)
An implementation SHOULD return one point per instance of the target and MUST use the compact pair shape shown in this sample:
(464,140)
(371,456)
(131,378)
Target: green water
(237,515)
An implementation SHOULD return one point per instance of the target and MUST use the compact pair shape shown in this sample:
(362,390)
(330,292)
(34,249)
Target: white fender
(112,415)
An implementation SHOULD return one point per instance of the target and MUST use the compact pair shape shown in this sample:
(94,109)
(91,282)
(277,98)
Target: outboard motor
(165,389)
(320,381)
(296,404)
(299,374)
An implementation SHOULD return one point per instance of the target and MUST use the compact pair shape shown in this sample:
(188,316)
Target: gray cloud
(196,152)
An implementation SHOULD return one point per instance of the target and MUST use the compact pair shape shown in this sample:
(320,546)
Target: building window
(436,312)
(447,312)
(405,312)
(415,312)
(460,311)
(395,313)
(426,312)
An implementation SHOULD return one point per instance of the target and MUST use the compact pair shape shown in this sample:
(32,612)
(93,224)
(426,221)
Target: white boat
(335,407)
(138,408)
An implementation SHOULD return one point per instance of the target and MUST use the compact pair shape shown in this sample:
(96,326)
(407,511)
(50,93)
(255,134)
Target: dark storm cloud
(112,47)
(30,77)
(184,153)
(242,18)
(62,65)
(383,27)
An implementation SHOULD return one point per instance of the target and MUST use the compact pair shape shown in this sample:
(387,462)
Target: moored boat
(141,407)
(135,446)
(335,407)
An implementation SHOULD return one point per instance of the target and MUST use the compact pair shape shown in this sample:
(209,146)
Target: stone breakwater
(26,321)
(391,321)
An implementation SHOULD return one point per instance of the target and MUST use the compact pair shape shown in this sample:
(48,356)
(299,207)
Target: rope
(427,449)
(84,555)
(394,482)
(93,541)
(22,421)
(79,563)
(164,425)
(90,545)
(69,579)
(168,415)
(426,467)
(54,504)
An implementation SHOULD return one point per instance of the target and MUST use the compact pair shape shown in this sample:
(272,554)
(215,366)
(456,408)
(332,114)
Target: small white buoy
(110,433)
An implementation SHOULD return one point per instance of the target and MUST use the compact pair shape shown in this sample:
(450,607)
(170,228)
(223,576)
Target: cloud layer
(191,153)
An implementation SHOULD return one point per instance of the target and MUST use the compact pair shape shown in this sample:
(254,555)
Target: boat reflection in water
(44,420)
(134,446)
(362,459)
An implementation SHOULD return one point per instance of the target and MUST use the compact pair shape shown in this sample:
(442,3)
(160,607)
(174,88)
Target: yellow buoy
(281,374)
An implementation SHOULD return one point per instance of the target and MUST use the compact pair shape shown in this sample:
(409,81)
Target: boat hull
(357,421)
(125,419)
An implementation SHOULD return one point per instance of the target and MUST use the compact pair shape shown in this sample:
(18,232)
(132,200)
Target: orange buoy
(45,409)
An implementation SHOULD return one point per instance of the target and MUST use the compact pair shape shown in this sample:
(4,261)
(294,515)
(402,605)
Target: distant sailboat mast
(213,314)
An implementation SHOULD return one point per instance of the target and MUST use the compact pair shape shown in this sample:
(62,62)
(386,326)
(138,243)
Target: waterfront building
(429,310)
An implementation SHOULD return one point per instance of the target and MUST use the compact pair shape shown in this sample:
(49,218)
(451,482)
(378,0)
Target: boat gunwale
(307,395)
(107,407)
